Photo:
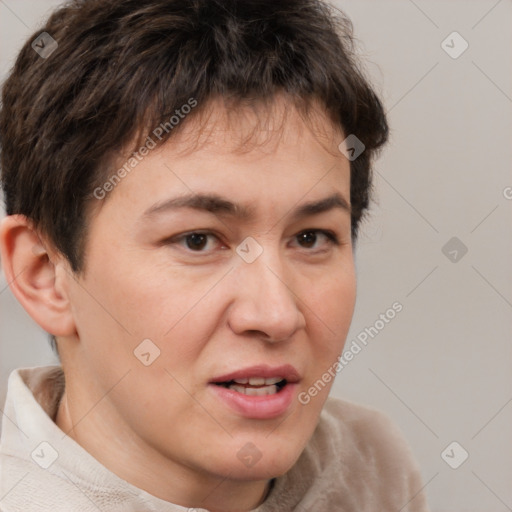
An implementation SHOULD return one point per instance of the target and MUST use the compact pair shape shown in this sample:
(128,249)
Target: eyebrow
(218,205)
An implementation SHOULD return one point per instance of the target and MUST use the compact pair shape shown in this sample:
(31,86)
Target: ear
(36,277)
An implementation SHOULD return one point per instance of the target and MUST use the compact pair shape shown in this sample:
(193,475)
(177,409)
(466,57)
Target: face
(207,267)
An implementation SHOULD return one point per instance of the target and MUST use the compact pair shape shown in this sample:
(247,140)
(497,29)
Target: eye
(309,237)
(199,241)
(195,241)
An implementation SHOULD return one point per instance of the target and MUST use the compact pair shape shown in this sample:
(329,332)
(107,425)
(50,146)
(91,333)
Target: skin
(160,427)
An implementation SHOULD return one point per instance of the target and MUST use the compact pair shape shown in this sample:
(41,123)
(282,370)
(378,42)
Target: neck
(140,465)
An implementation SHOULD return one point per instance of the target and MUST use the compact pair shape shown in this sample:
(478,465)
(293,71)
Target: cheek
(329,314)
(134,297)
(332,300)
(119,307)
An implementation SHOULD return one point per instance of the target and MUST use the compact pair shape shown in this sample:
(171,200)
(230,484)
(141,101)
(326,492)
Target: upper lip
(285,371)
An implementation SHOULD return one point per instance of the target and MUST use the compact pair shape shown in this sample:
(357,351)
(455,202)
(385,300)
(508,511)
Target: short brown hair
(121,66)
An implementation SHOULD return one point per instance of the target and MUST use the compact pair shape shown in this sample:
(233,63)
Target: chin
(259,459)
(269,470)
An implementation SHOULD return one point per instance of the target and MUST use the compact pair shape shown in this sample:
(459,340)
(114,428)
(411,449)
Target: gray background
(441,367)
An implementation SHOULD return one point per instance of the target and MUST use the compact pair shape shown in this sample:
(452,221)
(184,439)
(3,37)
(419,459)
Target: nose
(265,303)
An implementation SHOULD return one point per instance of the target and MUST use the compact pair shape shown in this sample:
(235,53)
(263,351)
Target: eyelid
(331,237)
(176,239)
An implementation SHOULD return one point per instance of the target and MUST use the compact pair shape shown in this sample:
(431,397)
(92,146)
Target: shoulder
(371,456)
(366,434)
(370,431)
(24,486)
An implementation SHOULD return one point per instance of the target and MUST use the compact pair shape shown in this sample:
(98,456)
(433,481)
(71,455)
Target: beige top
(356,461)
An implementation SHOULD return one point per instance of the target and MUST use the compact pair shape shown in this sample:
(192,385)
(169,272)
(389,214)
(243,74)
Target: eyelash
(330,235)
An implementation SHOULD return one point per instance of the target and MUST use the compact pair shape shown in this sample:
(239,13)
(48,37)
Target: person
(184,182)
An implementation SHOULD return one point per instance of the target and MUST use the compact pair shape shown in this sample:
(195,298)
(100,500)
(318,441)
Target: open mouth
(255,386)
(258,392)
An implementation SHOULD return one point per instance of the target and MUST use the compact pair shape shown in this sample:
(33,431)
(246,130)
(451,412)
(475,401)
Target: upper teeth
(259,381)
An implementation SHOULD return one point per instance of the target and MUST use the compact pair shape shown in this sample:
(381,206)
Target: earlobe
(33,277)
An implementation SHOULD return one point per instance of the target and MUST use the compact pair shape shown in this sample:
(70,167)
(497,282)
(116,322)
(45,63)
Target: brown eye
(307,238)
(196,241)
(200,242)
(310,237)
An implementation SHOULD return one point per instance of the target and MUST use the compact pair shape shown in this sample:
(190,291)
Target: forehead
(247,151)
(241,125)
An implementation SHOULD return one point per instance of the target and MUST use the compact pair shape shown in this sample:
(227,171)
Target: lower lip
(257,407)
